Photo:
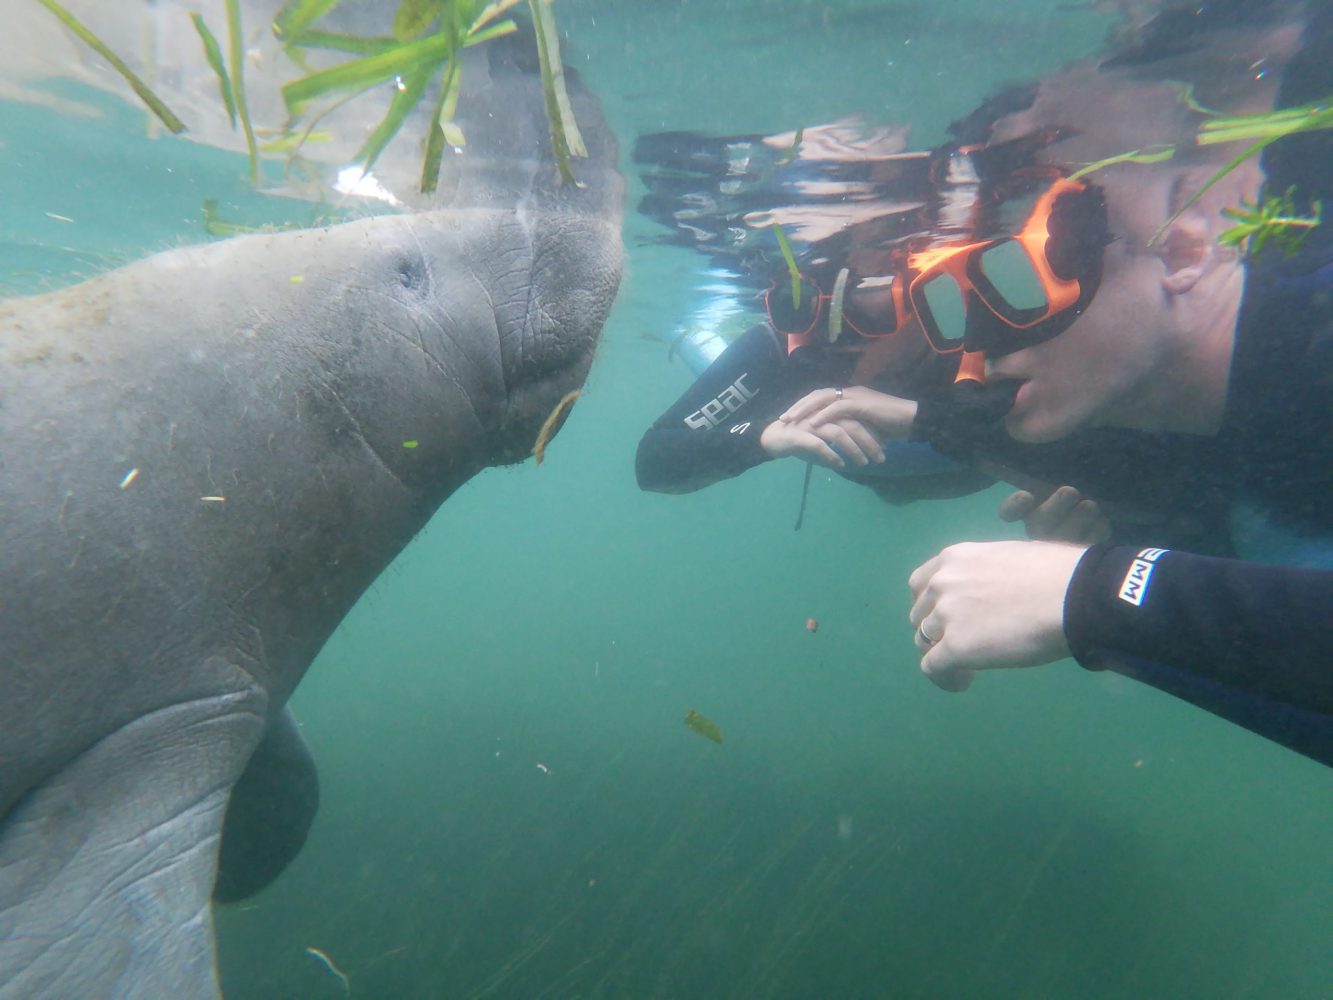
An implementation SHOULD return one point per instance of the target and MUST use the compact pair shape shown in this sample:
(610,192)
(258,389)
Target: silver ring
(837,394)
(921,634)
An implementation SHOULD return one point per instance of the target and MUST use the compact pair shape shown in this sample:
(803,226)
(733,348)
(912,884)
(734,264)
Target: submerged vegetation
(1275,219)
(423,46)
(145,93)
(552,423)
(795,272)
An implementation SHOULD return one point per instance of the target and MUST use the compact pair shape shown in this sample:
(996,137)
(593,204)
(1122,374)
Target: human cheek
(1052,400)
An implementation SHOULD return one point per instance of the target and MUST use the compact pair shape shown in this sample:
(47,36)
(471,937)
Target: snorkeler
(851,320)
(1092,322)
(1234,355)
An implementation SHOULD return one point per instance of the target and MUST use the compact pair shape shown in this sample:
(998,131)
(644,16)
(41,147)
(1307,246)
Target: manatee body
(204,461)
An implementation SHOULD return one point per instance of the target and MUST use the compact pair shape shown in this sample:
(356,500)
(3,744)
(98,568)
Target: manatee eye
(411,273)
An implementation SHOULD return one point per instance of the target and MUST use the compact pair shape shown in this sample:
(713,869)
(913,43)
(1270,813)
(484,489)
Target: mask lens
(944,316)
(1010,275)
(868,308)
(784,314)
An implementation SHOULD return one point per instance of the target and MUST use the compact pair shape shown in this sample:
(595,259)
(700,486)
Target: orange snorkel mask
(999,296)
(869,306)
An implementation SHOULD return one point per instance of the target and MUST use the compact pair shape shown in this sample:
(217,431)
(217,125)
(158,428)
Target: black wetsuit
(1250,642)
(1247,641)
(712,432)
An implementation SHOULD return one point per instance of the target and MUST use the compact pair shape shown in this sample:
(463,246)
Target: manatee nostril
(411,273)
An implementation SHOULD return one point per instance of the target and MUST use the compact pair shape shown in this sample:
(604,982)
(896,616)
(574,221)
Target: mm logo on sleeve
(1134,587)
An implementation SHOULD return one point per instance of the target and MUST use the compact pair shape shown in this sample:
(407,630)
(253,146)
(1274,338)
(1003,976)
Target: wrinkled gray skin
(152,631)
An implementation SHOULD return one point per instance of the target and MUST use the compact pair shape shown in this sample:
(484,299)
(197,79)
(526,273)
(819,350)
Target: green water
(512,807)
(860,833)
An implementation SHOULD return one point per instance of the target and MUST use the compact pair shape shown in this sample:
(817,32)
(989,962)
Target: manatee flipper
(107,865)
(270,812)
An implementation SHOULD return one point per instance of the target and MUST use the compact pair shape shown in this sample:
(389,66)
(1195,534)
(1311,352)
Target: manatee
(206,457)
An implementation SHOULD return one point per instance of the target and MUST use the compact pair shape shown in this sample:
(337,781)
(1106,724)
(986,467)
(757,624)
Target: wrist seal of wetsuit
(951,418)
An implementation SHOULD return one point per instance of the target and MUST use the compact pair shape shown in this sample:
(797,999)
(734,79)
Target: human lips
(1021,396)
(996,373)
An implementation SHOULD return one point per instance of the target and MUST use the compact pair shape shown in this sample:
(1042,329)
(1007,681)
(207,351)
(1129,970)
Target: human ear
(1185,251)
(1189,248)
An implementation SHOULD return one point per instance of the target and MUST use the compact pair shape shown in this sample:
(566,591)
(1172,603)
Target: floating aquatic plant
(1274,220)
(155,103)
(236,56)
(425,44)
(1152,154)
(213,55)
(553,421)
(792,269)
(231,85)
(428,37)
(566,141)
(790,153)
(1266,128)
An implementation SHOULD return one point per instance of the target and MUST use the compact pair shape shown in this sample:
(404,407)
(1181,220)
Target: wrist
(901,418)
(769,439)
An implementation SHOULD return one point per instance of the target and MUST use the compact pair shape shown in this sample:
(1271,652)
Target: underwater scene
(586,740)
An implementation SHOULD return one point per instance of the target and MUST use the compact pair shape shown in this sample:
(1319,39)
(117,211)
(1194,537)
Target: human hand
(802,439)
(1064,516)
(990,605)
(888,416)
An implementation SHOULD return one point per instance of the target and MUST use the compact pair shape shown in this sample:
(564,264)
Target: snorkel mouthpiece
(972,368)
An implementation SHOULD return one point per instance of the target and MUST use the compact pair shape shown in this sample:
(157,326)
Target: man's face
(1088,374)
(1092,373)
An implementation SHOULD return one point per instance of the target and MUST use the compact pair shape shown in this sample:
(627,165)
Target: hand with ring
(989,605)
(884,415)
(834,442)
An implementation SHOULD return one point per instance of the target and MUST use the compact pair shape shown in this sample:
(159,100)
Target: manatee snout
(548,346)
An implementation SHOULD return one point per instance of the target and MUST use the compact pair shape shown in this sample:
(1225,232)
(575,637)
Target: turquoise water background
(512,807)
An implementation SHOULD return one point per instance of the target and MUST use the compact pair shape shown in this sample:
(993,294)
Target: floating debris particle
(543,768)
(811,625)
(705,727)
(130,477)
(213,499)
(410,444)
(550,424)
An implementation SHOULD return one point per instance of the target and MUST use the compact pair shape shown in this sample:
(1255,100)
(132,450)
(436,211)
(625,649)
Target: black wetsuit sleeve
(1267,630)
(712,432)
(965,419)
